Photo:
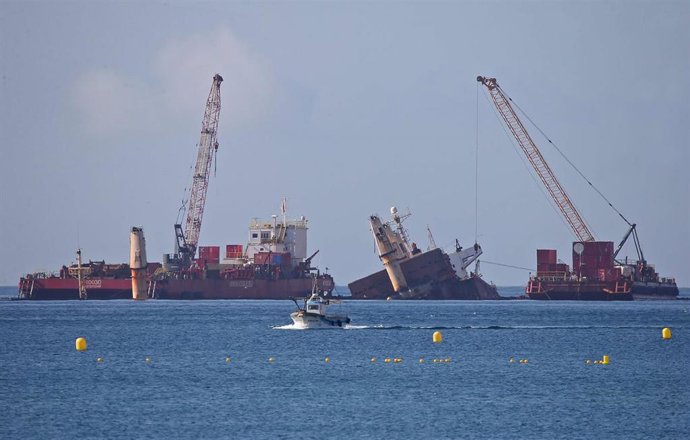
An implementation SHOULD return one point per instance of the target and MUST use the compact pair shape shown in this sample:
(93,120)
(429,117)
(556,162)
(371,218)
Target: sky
(346,109)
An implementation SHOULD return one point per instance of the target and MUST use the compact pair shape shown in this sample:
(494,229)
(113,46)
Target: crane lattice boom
(208,144)
(553,186)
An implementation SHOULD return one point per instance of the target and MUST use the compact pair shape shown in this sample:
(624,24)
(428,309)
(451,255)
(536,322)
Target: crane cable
(565,157)
(476,170)
(509,265)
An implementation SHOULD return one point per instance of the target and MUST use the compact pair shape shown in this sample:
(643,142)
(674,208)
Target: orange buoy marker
(666,333)
(80,344)
(437,337)
(605,360)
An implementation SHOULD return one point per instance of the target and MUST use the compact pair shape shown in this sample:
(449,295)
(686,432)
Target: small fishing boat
(312,314)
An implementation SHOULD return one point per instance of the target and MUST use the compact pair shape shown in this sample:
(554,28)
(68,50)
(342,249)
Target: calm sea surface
(188,389)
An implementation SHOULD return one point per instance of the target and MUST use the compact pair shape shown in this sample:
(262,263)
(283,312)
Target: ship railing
(552,276)
(268,224)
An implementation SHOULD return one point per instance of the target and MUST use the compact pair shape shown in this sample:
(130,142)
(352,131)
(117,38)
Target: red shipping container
(210,254)
(546,256)
(262,258)
(234,251)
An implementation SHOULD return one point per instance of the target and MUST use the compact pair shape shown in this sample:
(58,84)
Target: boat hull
(654,291)
(307,320)
(599,291)
(238,289)
(106,289)
(68,288)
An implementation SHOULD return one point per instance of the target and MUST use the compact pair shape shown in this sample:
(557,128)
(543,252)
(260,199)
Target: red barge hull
(68,288)
(238,289)
(107,289)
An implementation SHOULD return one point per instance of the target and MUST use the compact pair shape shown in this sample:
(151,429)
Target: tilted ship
(597,273)
(273,264)
(410,273)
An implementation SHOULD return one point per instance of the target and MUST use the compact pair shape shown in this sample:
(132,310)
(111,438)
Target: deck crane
(187,241)
(553,186)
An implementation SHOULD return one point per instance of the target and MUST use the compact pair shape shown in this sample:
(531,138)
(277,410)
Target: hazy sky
(346,109)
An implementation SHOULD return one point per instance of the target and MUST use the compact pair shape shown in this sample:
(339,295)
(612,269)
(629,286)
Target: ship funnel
(138,263)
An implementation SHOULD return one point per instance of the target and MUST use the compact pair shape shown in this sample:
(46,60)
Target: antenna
(432,242)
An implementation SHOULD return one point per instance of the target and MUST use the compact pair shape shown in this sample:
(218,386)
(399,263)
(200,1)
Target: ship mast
(207,147)
(80,283)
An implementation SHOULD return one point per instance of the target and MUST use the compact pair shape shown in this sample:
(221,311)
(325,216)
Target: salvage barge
(412,274)
(273,265)
(597,272)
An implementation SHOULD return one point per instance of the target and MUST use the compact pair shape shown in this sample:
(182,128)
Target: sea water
(235,369)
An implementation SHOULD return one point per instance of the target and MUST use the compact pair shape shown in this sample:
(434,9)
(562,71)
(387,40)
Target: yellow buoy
(511,360)
(605,359)
(327,359)
(421,360)
(588,362)
(80,344)
(99,360)
(271,359)
(147,360)
(397,360)
(227,360)
(387,360)
(666,333)
(373,359)
(437,337)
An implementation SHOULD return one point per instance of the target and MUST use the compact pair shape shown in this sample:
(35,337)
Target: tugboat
(313,314)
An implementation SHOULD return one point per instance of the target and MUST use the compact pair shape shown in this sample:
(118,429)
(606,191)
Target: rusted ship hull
(430,276)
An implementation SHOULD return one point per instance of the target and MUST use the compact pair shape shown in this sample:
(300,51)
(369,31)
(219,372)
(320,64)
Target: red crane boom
(553,186)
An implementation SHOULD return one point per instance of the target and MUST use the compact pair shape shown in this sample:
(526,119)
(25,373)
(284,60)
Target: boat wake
(489,327)
(301,327)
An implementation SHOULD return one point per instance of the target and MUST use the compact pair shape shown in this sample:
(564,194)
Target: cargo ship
(273,265)
(410,273)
